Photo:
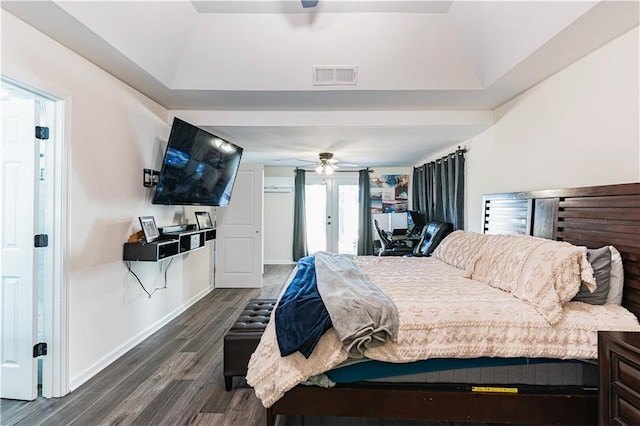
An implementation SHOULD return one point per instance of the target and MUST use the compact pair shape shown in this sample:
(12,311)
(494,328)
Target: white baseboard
(106,360)
(279,262)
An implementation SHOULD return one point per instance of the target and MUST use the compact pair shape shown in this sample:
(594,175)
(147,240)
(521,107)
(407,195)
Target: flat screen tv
(199,168)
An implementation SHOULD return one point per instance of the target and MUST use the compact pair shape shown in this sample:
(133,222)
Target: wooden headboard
(591,216)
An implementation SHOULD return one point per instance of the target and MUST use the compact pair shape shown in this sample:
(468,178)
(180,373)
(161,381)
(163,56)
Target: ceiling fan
(326,164)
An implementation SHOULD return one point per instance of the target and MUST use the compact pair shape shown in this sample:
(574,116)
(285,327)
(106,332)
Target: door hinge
(41,240)
(42,133)
(39,349)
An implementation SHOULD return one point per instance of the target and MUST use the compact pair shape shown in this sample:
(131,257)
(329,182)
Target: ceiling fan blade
(307,161)
(348,164)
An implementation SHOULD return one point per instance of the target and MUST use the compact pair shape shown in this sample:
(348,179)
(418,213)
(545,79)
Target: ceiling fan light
(328,169)
(320,169)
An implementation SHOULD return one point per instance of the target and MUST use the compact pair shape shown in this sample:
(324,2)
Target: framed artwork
(204,220)
(149,228)
(389,193)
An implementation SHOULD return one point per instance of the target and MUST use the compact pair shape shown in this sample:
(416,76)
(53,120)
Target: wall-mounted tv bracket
(150,178)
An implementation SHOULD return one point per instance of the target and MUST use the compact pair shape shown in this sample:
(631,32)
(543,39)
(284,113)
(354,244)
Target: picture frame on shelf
(149,228)
(204,220)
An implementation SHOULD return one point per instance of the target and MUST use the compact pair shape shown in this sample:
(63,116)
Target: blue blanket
(301,317)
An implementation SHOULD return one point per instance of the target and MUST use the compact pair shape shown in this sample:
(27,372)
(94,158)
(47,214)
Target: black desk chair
(389,246)
(432,234)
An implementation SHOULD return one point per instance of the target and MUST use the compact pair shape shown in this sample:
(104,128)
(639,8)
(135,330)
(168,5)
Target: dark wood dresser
(619,391)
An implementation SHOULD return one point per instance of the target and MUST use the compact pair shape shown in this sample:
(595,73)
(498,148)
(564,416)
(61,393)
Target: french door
(332,213)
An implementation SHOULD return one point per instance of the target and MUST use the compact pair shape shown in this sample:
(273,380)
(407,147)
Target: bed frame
(590,216)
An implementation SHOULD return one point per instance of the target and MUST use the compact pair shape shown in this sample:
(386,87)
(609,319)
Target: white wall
(315,41)
(114,132)
(579,127)
(278,228)
(278,216)
(278,219)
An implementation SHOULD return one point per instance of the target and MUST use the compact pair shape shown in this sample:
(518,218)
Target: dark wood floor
(175,378)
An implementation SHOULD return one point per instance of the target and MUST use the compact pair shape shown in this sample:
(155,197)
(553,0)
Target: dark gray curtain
(419,189)
(438,189)
(365,233)
(299,219)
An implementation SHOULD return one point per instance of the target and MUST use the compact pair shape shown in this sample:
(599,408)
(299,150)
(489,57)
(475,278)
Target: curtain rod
(456,152)
(445,157)
(336,171)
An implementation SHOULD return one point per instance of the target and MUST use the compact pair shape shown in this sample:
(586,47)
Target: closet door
(239,243)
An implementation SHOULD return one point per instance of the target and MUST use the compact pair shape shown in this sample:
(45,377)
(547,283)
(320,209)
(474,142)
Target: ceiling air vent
(335,76)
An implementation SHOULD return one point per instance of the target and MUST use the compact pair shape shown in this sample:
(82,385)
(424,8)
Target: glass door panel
(347,228)
(316,216)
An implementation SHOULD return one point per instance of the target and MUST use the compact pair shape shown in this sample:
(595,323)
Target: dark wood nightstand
(619,391)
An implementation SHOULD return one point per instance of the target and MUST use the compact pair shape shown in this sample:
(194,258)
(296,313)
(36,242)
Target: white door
(239,244)
(19,295)
(332,213)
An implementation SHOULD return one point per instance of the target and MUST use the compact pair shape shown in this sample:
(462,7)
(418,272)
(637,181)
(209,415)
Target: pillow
(600,260)
(459,247)
(616,278)
(542,273)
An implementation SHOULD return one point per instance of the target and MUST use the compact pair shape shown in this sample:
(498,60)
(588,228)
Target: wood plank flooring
(174,377)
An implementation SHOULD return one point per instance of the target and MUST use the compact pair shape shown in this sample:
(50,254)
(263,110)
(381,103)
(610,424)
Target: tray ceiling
(429,72)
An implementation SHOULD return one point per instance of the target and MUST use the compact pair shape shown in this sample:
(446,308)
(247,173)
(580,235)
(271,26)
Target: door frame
(55,377)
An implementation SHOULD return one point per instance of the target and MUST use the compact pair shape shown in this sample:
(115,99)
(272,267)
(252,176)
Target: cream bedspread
(443,315)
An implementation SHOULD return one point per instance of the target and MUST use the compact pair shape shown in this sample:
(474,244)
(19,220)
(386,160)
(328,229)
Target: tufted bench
(243,338)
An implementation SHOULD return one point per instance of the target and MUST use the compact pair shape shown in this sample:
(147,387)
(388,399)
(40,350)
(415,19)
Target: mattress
(474,371)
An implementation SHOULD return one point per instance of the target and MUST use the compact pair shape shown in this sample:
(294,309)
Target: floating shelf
(170,244)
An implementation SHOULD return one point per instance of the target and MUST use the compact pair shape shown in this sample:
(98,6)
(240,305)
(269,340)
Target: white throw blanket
(443,315)
(361,314)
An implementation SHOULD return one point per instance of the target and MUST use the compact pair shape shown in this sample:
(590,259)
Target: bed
(590,216)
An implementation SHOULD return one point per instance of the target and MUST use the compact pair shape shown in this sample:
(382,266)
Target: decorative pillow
(616,278)
(542,273)
(459,247)
(600,260)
